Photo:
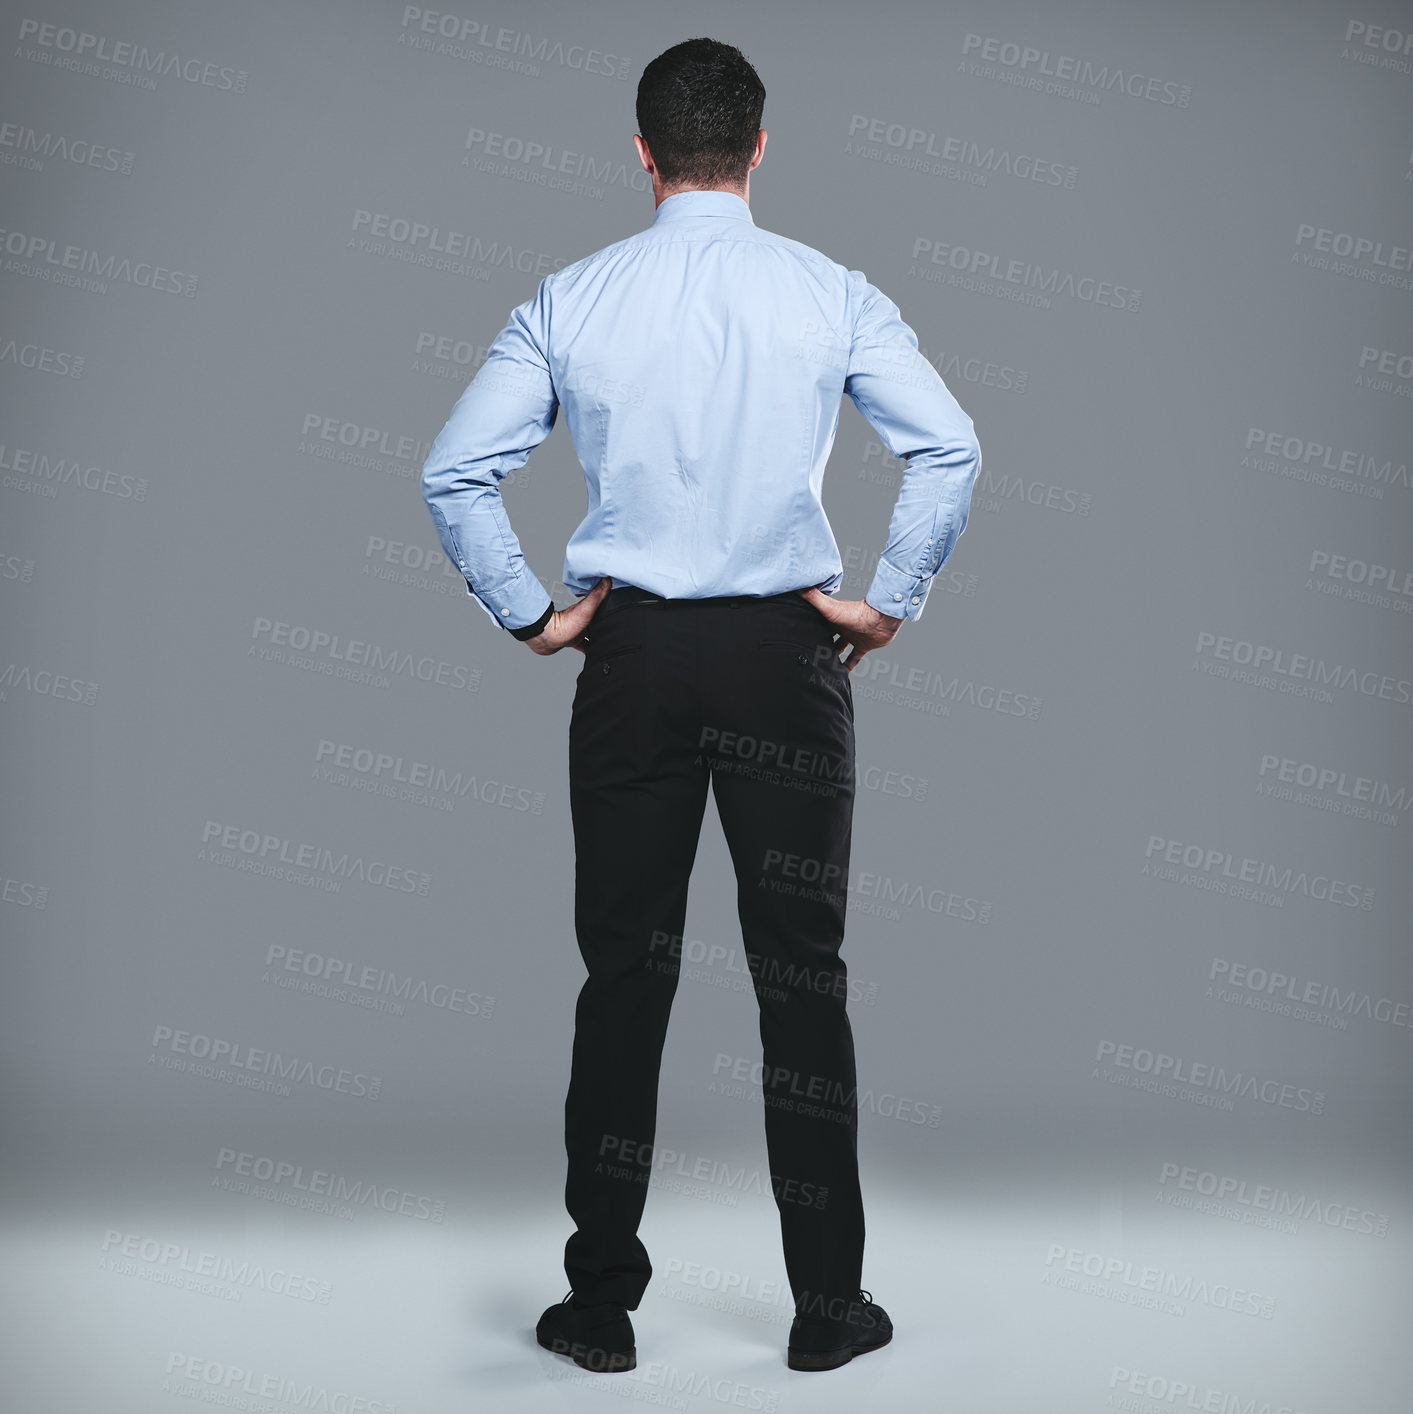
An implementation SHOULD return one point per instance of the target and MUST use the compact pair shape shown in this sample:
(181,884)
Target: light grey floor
(1004,1302)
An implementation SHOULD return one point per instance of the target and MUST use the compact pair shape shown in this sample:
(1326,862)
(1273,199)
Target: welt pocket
(620,652)
(806,652)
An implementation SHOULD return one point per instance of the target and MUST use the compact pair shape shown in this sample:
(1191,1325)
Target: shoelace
(864,1295)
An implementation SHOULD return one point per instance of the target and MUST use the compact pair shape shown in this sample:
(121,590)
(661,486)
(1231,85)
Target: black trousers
(748,695)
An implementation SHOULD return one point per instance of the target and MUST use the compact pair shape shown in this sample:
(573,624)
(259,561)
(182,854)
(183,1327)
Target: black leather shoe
(596,1338)
(821,1343)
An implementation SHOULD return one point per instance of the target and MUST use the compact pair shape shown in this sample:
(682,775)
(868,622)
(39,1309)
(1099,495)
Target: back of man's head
(699,110)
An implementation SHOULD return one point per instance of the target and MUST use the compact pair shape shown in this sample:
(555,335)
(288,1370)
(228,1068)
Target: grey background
(1119,517)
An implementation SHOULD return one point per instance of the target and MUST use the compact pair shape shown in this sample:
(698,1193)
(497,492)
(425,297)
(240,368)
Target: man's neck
(742,192)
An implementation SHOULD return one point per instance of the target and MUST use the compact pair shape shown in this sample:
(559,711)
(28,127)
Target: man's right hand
(566,627)
(858,623)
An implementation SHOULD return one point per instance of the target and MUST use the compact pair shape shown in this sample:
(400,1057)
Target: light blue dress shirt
(700,364)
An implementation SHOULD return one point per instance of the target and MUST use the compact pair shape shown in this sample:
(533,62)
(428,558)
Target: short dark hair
(699,109)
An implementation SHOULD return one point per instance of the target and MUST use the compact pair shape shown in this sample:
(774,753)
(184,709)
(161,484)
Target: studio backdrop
(286,864)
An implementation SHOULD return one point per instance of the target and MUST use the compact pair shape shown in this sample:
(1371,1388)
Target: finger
(822,602)
(582,610)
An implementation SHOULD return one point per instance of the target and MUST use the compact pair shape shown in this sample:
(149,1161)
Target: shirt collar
(684,204)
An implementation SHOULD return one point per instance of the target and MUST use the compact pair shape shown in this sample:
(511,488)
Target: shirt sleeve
(917,419)
(507,410)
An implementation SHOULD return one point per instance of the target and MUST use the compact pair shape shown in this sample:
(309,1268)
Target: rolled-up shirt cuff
(899,595)
(533,630)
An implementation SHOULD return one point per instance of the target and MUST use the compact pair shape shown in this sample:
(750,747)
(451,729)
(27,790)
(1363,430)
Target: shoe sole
(829,1359)
(611,1362)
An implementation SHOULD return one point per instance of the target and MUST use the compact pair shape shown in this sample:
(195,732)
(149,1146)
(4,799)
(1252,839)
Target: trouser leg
(637,796)
(783,779)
